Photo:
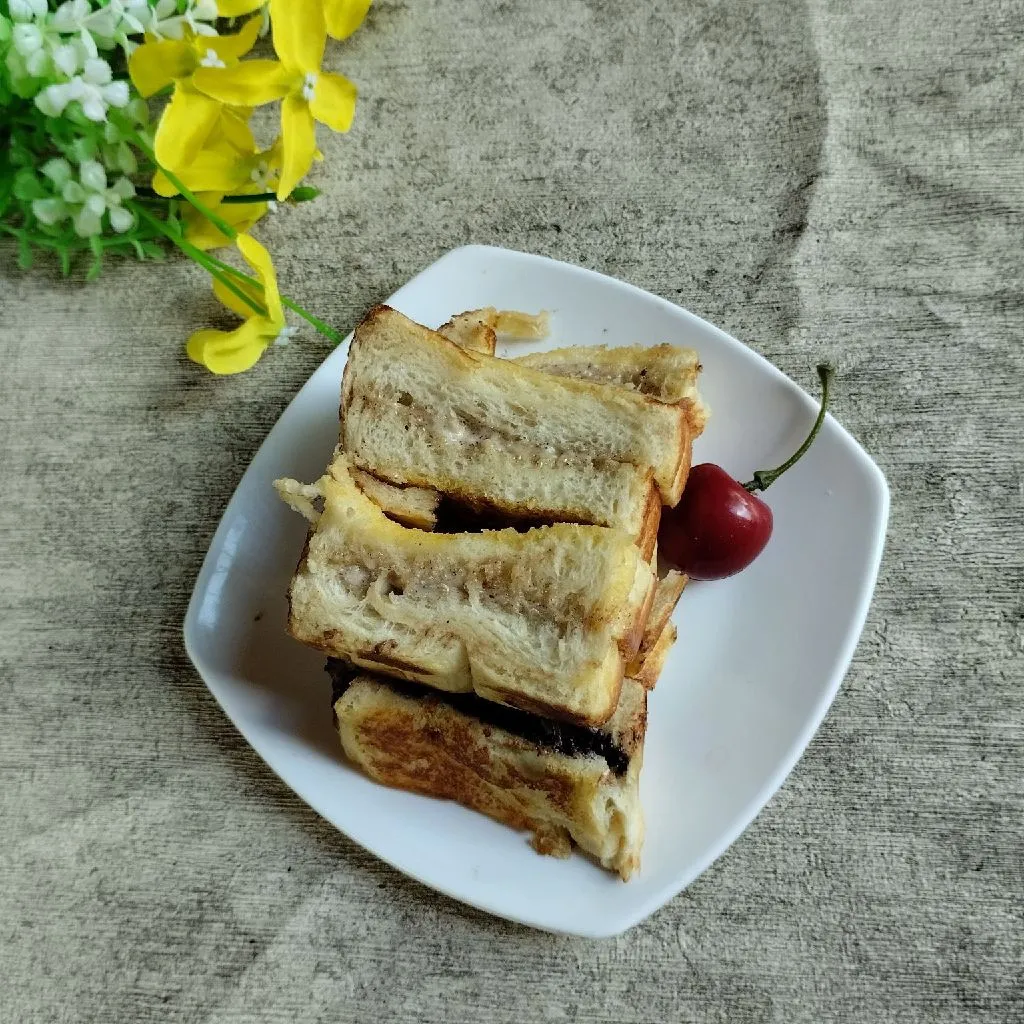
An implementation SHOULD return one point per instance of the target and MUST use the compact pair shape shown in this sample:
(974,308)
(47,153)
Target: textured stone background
(840,178)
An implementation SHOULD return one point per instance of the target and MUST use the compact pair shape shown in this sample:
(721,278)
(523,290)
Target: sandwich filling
(560,737)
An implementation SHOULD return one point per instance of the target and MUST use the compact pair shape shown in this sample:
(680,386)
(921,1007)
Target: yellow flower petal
(224,164)
(234,127)
(241,216)
(344,16)
(300,33)
(234,351)
(233,302)
(298,143)
(185,125)
(334,101)
(155,65)
(259,259)
(274,156)
(162,185)
(218,168)
(236,8)
(249,84)
(231,47)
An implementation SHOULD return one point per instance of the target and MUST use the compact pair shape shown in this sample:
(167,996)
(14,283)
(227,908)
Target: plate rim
(624,921)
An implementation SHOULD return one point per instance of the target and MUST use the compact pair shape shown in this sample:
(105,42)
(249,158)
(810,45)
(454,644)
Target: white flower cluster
(55,56)
(84,199)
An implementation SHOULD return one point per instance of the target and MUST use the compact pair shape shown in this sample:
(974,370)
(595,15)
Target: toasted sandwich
(418,409)
(544,620)
(561,782)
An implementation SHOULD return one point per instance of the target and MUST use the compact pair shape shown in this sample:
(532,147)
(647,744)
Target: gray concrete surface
(822,178)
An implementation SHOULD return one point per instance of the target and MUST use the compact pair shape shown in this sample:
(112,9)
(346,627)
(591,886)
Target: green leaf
(83,148)
(154,250)
(96,266)
(27,186)
(64,255)
(24,88)
(24,252)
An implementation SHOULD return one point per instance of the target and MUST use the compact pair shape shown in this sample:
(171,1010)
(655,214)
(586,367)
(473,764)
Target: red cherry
(720,526)
(717,528)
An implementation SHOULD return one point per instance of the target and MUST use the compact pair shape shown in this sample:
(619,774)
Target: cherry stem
(764,478)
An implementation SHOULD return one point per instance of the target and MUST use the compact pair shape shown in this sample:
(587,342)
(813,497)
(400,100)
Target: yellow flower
(191,115)
(234,351)
(224,164)
(307,93)
(236,8)
(344,16)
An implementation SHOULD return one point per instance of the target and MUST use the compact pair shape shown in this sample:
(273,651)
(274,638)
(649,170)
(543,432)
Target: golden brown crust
(628,726)
(513,323)
(651,667)
(672,496)
(428,747)
(647,540)
(518,700)
(473,330)
(411,506)
(696,415)
(667,592)
(630,643)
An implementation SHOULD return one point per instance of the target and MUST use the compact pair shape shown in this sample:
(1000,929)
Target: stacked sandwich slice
(480,569)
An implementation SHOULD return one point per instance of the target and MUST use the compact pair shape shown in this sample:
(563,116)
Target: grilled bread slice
(544,620)
(418,409)
(410,506)
(562,783)
(666,373)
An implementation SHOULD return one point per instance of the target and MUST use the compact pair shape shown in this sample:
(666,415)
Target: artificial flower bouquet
(86,169)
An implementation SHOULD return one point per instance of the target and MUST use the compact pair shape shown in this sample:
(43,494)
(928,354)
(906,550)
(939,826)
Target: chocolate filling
(457,516)
(561,737)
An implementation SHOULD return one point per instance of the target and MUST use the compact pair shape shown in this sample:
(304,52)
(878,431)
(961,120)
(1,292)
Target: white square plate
(759,657)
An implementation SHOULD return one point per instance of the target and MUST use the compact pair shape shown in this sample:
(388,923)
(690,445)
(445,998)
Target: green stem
(764,478)
(259,197)
(57,243)
(217,221)
(302,194)
(209,263)
(325,329)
